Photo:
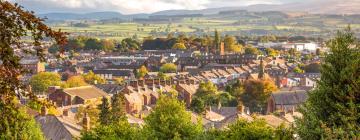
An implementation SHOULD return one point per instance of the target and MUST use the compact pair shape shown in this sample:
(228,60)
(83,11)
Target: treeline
(169,119)
(181,42)
(85,43)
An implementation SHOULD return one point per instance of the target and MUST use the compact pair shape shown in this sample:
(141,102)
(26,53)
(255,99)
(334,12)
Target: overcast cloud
(134,6)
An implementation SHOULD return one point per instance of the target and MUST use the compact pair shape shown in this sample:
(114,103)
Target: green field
(120,31)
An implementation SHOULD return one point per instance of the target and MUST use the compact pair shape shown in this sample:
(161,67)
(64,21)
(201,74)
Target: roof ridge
(78,87)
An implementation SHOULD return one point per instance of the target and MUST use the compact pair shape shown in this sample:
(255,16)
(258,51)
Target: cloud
(133,6)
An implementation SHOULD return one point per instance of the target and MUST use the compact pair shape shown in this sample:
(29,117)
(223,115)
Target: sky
(136,6)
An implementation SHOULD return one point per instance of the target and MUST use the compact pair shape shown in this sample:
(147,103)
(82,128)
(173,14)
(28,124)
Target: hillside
(315,7)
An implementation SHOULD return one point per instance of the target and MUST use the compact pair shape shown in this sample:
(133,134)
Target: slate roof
(114,72)
(110,88)
(273,121)
(289,97)
(31,61)
(86,92)
(189,88)
(56,128)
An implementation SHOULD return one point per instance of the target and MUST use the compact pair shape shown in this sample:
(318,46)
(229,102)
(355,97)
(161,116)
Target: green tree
(91,111)
(93,44)
(74,44)
(104,115)
(75,81)
(116,131)
(332,109)
(313,68)
(41,81)
(170,120)
(298,70)
(142,72)
(20,126)
(210,96)
(252,50)
(198,105)
(168,68)
(179,46)
(255,130)
(216,40)
(118,112)
(92,78)
(129,44)
(261,69)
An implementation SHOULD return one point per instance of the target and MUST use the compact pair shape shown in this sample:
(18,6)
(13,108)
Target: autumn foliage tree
(256,93)
(16,23)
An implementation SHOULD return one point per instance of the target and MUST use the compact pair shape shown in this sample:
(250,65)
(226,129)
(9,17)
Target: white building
(310,47)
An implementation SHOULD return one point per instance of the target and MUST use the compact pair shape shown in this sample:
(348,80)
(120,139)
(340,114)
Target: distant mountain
(75,16)
(317,7)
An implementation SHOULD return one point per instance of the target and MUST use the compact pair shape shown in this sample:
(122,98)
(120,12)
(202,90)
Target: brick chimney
(43,111)
(134,84)
(241,109)
(282,112)
(163,82)
(52,89)
(65,112)
(141,83)
(222,48)
(86,122)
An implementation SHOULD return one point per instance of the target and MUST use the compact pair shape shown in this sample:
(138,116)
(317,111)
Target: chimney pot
(86,122)
(65,112)
(43,111)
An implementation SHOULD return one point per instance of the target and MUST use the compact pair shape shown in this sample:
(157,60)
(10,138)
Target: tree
(229,41)
(92,78)
(119,80)
(41,81)
(15,24)
(252,50)
(142,72)
(170,120)
(230,44)
(313,68)
(93,44)
(298,70)
(108,45)
(216,40)
(20,126)
(179,46)
(256,94)
(75,81)
(197,105)
(209,94)
(168,68)
(74,44)
(91,111)
(119,130)
(333,107)
(261,69)
(118,108)
(271,52)
(104,115)
(129,44)
(255,130)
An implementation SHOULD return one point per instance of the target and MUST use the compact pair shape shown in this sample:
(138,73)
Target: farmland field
(200,26)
